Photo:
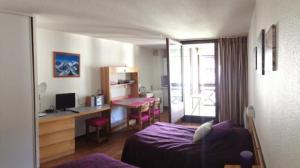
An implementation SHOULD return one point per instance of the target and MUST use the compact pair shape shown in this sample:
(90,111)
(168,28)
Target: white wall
(159,71)
(159,67)
(276,96)
(94,53)
(144,60)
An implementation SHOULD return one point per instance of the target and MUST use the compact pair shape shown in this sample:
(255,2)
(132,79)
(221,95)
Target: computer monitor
(66,100)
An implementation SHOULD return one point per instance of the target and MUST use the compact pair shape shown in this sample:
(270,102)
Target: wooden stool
(155,110)
(98,123)
(141,116)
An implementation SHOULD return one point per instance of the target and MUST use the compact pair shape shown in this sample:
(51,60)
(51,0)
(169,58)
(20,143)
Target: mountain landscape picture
(66,65)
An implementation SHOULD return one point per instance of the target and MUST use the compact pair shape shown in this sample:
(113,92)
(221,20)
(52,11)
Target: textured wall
(276,96)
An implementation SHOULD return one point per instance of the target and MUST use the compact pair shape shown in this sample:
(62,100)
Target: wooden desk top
(82,111)
(91,110)
(134,102)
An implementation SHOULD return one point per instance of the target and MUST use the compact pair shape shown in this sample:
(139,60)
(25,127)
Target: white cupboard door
(17,135)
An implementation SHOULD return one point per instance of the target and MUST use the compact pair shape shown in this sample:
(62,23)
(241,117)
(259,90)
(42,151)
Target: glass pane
(175,72)
(199,79)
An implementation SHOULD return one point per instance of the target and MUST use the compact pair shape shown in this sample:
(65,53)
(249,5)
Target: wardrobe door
(17,135)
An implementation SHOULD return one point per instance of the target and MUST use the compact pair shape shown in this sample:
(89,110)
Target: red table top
(134,102)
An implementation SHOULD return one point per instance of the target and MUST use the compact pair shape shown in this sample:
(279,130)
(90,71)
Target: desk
(57,131)
(134,102)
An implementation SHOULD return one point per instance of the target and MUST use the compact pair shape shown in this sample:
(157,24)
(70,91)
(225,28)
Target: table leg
(109,121)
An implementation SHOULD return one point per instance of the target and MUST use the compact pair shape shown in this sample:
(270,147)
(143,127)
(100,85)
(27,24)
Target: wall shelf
(109,74)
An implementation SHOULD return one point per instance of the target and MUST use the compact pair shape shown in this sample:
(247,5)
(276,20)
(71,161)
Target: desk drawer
(57,150)
(56,126)
(57,137)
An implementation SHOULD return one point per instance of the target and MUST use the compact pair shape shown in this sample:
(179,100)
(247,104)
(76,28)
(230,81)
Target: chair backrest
(156,104)
(144,108)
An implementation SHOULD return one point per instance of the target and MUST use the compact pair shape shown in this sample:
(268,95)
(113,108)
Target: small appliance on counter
(99,100)
(95,100)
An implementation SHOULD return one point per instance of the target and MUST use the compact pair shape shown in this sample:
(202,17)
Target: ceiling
(142,22)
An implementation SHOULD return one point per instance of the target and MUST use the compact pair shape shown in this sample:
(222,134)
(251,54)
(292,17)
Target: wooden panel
(131,70)
(135,87)
(56,125)
(57,150)
(57,133)
(94,110)
(105,76)
(259,160)
(123,69)
(117,70)
(55,117)
(69,152)
(57,137)
(105,83)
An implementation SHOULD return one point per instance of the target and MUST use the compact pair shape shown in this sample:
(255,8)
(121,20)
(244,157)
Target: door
(17,140)
(175,86)
(199,76)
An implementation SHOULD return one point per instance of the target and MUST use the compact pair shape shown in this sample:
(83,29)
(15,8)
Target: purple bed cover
(96,160)
(165,145)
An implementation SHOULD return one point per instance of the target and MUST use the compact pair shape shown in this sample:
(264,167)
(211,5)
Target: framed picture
(271,54)
(66,65)
(261,53)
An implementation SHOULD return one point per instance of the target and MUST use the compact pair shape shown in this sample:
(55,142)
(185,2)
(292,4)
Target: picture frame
(271,49)
(261,53)
(66,65)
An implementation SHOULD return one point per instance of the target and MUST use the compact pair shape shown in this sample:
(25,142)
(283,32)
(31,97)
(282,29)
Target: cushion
(202,131)
(219,131)
(145,117)
(97,121)
(156,112)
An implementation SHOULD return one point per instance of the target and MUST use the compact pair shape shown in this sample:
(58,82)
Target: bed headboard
(259,160)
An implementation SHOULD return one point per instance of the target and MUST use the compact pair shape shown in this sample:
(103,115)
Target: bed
(164,145)
(96,160)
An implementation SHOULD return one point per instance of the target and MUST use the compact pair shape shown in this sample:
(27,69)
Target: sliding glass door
(192,70)
(199,80)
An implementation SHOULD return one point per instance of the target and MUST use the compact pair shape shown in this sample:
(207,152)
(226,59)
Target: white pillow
(202,131)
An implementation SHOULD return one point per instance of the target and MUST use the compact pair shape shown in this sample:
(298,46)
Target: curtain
(233,85)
